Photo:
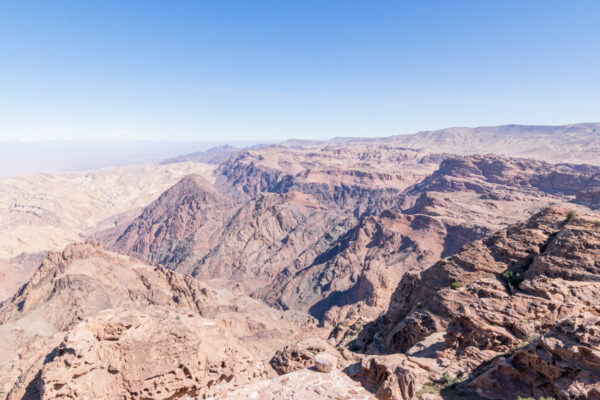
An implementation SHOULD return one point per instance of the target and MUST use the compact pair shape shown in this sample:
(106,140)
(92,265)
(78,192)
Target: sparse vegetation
(429,387)
(447,386)
(358,327)
(572,214)
(512,279)
(516,348)
(597,224)
(456,285)
(356,330)
(533,398)
(450,381)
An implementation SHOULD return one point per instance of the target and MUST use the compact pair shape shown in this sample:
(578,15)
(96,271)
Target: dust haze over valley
(315,200)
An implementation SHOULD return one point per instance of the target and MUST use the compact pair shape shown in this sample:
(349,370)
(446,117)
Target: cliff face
(529,291)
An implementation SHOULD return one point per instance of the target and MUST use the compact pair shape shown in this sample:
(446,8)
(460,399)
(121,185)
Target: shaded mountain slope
(268,233)
(361,265)
(184,220)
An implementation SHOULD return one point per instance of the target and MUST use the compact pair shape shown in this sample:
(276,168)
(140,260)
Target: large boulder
(302,355)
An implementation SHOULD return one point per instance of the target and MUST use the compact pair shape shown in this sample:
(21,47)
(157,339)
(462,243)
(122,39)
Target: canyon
(461,263)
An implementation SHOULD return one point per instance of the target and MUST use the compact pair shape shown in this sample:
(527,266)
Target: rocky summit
(417,267)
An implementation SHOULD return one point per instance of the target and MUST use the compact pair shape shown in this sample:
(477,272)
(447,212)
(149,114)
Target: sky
(227,70)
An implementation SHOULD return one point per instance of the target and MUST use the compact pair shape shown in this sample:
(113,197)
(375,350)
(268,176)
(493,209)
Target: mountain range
(459,263)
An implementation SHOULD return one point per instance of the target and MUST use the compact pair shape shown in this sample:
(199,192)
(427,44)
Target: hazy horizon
(148,70)
(24,156)
(75,155)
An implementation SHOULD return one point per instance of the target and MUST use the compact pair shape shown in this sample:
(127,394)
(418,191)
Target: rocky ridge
(527,292)
(574,143)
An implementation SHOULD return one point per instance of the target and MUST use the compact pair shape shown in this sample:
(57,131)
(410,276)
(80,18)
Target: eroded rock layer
(93,323)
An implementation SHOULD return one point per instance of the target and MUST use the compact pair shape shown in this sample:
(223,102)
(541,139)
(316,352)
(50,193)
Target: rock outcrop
(495,297)
(301,355)
(561,364)
(88,316)
(519,280)
(148,353)
(393,377)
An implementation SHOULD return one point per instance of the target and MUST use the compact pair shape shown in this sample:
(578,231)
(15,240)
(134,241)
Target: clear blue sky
(242,70)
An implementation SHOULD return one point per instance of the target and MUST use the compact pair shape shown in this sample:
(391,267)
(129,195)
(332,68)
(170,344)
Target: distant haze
(18,158)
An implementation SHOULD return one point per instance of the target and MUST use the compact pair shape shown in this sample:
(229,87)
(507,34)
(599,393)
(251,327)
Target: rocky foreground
(93,324)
